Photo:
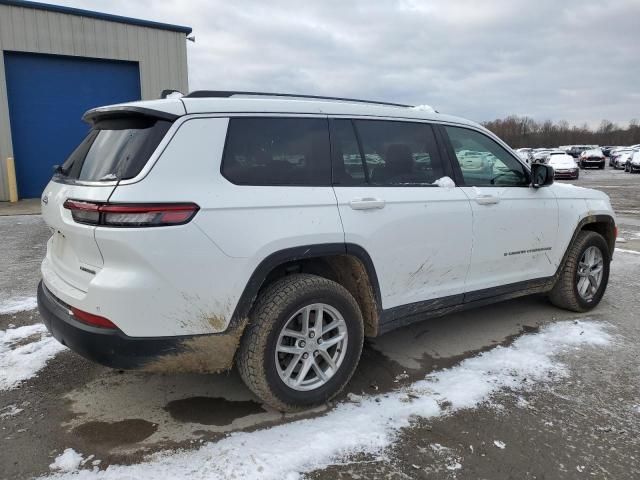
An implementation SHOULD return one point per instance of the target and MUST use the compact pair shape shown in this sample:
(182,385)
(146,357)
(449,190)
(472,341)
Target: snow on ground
(67,462)
(17,304)
(9,411)
(23,352)
(367,424)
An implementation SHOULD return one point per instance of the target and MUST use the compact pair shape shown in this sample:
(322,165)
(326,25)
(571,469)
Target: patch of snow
(436,447)
(373,423)
(175,95)
(425,108)
(445,182)
(621,240)
(622,250)
(68,461)
(499,444)
(23,352)
(9,411)
(17,304)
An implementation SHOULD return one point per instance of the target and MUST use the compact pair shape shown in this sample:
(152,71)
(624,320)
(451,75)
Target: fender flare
(287,255)
(587,220)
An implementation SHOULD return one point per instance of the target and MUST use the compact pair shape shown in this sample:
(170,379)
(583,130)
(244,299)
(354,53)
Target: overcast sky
(576,60)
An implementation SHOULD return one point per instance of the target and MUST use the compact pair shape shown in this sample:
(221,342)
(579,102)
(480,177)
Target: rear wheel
(585,274)
(303,342)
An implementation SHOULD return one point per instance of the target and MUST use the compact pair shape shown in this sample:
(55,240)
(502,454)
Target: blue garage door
(47,96)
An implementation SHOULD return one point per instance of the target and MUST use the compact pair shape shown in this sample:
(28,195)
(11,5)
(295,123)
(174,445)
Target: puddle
(112,434)
(211,410)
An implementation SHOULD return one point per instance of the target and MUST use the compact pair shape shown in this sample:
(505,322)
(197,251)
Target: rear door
(514,225)
(417,233)
(115,148)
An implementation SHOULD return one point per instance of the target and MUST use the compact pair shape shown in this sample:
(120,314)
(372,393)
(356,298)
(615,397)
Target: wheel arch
(347,264)
(603,224)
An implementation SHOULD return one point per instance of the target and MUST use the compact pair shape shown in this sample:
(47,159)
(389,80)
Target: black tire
(565,291)
(256,357)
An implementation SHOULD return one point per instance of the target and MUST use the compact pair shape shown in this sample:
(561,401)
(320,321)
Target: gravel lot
(583,424)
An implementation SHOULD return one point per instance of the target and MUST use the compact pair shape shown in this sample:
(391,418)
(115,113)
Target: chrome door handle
(367,203)
(485,199)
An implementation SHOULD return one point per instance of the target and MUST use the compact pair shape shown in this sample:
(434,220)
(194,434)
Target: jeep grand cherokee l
(275,233)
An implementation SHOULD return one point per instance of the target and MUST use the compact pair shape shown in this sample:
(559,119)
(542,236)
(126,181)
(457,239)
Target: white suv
(277,232)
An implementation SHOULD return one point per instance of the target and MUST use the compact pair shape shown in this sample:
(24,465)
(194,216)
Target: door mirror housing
(542,175)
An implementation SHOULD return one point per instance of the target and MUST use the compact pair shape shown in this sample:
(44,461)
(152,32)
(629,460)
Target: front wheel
(303,342)
(585,274)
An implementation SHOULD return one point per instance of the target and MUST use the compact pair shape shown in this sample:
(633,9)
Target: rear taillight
(91,319)
(131,215)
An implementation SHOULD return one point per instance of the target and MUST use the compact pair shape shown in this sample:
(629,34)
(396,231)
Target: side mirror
(542,175)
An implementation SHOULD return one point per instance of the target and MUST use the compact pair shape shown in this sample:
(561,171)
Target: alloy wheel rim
(590,270)
(311,347)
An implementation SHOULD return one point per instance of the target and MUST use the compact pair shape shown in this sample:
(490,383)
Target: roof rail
(229,93)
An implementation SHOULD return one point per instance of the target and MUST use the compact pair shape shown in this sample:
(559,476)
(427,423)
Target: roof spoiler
(103,113)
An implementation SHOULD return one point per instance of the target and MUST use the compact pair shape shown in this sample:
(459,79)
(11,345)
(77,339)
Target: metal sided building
(56,63)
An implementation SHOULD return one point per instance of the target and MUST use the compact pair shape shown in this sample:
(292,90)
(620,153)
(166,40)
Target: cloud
(573,60)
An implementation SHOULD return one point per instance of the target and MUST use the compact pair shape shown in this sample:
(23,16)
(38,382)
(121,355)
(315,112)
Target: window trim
(460,181)
(438,151)
(280,117)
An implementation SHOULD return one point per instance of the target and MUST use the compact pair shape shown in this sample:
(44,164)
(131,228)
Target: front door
(514,225)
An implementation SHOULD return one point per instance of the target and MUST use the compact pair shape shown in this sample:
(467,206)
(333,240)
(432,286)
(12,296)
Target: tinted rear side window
(115,149)
(399,153)
(277,151)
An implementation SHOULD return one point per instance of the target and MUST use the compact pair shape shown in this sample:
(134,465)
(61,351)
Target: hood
(568,190)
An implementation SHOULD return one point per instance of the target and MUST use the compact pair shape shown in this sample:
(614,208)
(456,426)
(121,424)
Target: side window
(399,153)
(348,168)
(277,151)
(484,163)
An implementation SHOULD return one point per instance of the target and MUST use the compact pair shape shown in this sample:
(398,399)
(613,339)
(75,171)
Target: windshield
(115,149)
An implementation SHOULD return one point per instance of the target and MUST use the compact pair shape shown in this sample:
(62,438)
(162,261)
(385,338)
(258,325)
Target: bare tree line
(526,132)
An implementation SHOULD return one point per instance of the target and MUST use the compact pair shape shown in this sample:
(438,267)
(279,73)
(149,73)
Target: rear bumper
(592,163)
(108,347)
(566,175)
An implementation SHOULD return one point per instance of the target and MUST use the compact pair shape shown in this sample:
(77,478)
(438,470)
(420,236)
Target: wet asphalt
(586,426)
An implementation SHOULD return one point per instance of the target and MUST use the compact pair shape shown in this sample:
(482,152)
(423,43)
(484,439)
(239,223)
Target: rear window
(277,151)
(115,148)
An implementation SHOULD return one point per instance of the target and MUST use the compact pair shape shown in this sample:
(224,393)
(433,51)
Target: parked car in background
(526,154)
(576,150)
(619,157)
(541,155)
(607,149)
(633,162)
(592,158)
(564,165)
(612,153)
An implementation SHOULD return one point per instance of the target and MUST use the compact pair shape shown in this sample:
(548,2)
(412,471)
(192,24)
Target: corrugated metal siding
(161,54)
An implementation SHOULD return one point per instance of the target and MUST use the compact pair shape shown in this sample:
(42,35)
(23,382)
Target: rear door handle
(367,203)
(486,199)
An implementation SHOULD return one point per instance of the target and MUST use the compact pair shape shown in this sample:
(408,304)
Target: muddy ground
(585,426)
